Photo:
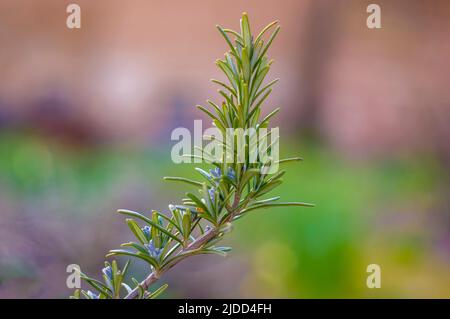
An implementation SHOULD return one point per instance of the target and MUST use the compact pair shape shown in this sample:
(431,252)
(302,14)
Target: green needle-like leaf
(183,180)
(277,205)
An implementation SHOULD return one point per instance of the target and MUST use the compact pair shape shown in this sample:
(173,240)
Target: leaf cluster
(225,192)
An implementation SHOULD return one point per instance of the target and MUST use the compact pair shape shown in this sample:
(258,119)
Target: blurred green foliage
(319,252)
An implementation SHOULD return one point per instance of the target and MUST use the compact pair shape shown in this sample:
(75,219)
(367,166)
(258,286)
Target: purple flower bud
(231,174)
(108,272)
(216,172)
(212,193)
(153,251)
(92,295)
(146,230)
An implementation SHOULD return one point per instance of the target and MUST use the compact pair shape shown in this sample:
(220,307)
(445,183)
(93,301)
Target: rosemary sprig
(228,191)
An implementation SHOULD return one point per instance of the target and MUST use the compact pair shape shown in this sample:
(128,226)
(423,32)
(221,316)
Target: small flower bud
(147,231)
(107,271)
(153,251)
(212,193)
(216,172)
(231,174)
(92,295)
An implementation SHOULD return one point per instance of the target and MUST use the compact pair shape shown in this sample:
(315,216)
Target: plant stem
(198,243)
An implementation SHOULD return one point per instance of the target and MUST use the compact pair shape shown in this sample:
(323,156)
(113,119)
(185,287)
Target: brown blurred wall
(366,92)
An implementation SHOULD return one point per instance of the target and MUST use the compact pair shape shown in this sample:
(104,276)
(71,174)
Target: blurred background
(85,122)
